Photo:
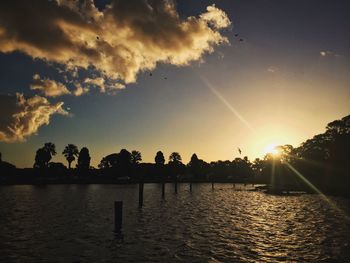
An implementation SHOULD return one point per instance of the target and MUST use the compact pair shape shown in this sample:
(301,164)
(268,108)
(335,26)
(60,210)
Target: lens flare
(316,190)
(225,102)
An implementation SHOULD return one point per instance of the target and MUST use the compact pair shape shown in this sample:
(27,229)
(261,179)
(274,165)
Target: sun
(272,149)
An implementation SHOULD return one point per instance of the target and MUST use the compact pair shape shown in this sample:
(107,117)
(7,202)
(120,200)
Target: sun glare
(272,149)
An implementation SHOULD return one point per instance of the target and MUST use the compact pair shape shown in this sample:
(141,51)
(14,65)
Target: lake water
(74,223)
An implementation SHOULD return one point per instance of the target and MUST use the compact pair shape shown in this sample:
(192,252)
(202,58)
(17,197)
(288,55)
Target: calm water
(74,223)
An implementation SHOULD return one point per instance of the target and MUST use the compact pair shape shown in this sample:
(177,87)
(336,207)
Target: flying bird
(236,35)
(150,74)
(241,39)
(239,150)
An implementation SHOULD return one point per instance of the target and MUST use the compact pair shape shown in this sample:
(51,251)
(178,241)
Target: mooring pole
(163,189)
(140,194)
(118,216)
(175,186)
(212,185)
(190,186)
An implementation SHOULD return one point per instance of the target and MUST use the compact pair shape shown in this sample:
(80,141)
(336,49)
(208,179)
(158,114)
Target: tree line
(322,161)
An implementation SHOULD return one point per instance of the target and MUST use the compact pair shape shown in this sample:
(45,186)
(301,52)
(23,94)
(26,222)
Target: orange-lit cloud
(125,38)
(21,117)
(98,82)
(79,90)
(48,87)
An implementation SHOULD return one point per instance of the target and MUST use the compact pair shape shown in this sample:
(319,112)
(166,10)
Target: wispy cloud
(98,82)
(272,69)
(22,117)
(48,87)
(327,53)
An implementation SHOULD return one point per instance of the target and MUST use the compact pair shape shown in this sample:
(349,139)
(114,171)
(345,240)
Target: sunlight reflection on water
(66,223)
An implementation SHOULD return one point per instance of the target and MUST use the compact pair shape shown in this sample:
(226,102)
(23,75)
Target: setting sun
(271,149)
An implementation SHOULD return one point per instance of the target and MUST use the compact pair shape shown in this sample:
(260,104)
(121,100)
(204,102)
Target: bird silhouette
(236,35)
(239,150)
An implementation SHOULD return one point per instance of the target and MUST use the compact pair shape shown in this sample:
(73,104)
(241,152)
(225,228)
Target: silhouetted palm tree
(44,155)
(50,148)
(70,152)
(135,157)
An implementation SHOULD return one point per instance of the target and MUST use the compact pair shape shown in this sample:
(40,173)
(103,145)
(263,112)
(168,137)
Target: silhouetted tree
(109,161)
(70,152)
(84,159)
(175,158)
(175,165)
(124,158)
(5,166)
(325,159)
(135,157)
(44,155)
(159,159)
(197,167)
(120,162)
(57,166)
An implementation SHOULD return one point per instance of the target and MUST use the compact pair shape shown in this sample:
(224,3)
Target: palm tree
(44,155)
(50,148)
(135,157)
(70,152)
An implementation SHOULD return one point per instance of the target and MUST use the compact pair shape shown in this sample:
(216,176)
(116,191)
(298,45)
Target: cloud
(327,53)
(216,17)
(272,69)
(101,84)
(22,117)
(120,41)
(98,82)
(48,87)
(79,90)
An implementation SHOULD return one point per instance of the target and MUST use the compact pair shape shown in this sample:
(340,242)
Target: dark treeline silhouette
(321,163)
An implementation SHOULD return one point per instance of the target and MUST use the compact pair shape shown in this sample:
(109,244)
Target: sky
(170,76)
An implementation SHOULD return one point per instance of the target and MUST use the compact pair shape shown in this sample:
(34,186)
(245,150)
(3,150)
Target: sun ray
(228,105)
(316,190)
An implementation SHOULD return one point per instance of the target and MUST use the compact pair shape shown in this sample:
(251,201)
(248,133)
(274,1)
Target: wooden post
(175,186)
(140,194)
(118,216)
(212,185)
(190,186)
(163,189)
(234,185)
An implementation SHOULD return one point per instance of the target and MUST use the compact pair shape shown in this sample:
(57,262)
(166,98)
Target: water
(74,223)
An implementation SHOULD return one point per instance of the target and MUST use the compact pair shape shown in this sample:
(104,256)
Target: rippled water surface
(74,223)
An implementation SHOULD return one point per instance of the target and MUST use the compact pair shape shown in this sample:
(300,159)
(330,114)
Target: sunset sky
(157,75)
